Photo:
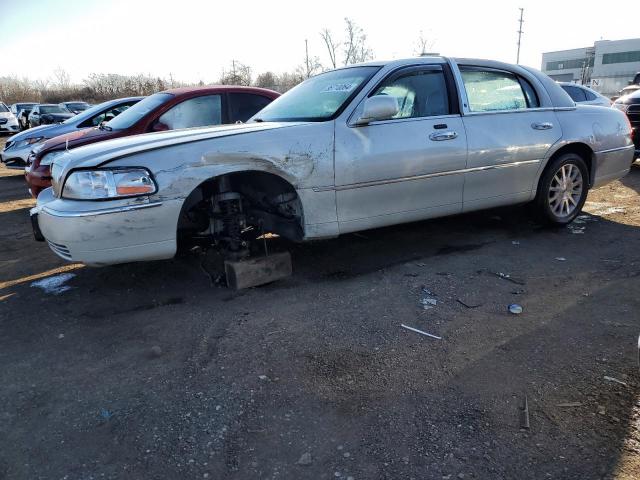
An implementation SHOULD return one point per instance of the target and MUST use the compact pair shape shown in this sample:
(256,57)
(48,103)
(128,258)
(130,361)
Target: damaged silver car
(356,148)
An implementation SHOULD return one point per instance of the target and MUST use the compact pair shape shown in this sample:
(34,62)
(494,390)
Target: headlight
(104,184)
(623,107)
(29,141)
(50,157)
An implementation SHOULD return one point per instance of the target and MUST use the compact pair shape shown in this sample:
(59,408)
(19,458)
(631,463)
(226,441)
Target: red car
(169,110)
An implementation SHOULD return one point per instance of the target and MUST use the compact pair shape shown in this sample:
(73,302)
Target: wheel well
(267,197)
(581,149)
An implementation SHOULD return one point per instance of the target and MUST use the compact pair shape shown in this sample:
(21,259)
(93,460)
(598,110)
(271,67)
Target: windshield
(77,105)
(3,107)
(52,109)
(90,112)
(139,110)
(25,106)
(318,98)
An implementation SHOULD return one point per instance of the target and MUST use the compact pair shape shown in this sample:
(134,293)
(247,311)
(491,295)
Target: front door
(406,168)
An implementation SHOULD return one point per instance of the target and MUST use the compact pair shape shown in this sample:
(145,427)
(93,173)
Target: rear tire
(562,190)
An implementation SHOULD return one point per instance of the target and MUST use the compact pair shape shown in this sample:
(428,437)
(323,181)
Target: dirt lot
(149,371)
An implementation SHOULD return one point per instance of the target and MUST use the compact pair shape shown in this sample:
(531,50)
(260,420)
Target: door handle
(542,126)
(440,136)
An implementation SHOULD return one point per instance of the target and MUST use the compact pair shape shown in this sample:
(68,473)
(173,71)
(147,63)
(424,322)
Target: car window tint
(590,95)
(106,115)
(194,112)
(491,90)
(577,94)
(420,93)
(243,106)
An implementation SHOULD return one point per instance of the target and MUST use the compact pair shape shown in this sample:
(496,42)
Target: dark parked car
(47,113)
(17,149)
(169,110)
(630,104)
(22,111)
(75,107)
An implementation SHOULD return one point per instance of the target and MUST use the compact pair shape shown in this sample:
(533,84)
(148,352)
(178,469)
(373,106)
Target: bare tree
(331,45)
(266,80)
(61,78)
(239,74)
(355,45)
(423,44)
(311,65)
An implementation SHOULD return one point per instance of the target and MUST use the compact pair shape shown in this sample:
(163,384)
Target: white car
(8,121)
(584,95)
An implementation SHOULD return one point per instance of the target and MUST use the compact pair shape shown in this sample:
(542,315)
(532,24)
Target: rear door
(243,106)
(508,136)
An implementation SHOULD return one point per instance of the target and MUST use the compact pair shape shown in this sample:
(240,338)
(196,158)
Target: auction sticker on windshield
(339,87)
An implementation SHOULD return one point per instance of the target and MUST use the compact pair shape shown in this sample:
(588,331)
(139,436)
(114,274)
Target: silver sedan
(360,147)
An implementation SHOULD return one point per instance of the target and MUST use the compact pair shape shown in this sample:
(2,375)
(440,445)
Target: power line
(520,34)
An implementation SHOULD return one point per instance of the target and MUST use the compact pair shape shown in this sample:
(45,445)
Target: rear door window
(496,90)
(243,106)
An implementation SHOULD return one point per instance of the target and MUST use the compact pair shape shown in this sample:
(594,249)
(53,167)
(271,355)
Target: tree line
(352,47)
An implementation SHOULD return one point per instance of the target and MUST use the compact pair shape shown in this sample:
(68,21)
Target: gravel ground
(150,371)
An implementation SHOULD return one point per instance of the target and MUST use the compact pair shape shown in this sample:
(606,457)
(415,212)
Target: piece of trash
(60,336)
(305,459)
(575,229)
(561,259)
(601,410)
(615,380)
(515,242)
(468,304)
(515,309)
(518,291)
(156,351)
(106,414)
(569,404)
(426,291)
(525,414)
(263,377)
(421,332)
(420,264)
(427,301)
(55,284)
(509,278)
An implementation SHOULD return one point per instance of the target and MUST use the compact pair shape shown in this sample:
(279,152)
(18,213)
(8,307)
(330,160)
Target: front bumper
(37,178)
(108,232)
(16,157)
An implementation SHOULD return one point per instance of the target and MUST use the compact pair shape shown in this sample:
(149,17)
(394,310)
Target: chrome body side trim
(104,211)
(619,149)
(421,177)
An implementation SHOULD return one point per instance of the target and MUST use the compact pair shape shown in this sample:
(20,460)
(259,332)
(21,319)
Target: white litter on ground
(54,285)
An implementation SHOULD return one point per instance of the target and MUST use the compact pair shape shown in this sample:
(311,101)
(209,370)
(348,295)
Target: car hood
(97,154)
(79,137)
(40,131)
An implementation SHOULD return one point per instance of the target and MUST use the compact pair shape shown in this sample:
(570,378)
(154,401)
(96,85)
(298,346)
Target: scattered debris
(515,309)
(428,303)
(515,242)
(575,229)
(569,404)
(263,377)
(421,332)
(55,284)
(156,351)
(525,413)
(615,380)
(468,303)
(60,336)
(420,264)
(561,259)
(518,291)
(305,459)
(105,414)
(426,291)
(411,275)
(508,277)
(601,410)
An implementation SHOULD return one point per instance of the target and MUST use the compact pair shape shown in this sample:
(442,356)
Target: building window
(621,57)
(567,64)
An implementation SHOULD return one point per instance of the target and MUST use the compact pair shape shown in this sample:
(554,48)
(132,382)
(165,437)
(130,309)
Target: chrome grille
(634,108)
(60,250)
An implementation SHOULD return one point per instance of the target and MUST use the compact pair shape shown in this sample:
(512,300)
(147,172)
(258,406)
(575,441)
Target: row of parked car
(24,115)
(355,148)
(35,148)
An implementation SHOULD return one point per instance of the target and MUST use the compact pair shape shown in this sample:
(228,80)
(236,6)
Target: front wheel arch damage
(228,212)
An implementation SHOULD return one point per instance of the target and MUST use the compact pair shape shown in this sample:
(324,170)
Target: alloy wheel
(565,190)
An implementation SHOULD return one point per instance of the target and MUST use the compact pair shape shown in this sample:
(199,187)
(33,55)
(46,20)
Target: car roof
(212,89)
(48,104)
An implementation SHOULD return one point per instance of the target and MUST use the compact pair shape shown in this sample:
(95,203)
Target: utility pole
(306,58)
(520,34)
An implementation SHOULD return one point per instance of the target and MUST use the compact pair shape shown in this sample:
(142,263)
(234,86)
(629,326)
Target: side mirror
(378,107)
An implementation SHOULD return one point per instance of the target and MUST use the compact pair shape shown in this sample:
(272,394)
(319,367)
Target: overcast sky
(195,39)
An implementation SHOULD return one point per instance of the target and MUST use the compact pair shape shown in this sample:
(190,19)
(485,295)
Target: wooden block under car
(257,271)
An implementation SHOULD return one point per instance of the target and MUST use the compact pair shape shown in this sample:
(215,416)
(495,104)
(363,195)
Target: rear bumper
(106,233)
(612,164)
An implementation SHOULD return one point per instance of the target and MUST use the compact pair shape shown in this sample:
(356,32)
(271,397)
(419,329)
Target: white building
(607,66)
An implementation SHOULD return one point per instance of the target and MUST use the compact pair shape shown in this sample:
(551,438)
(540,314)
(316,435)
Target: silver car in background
(360,147)
(584,95)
